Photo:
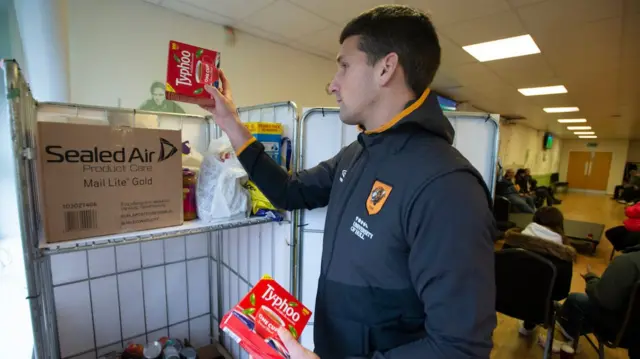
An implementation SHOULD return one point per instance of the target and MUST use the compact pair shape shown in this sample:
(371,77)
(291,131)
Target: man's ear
(387,67)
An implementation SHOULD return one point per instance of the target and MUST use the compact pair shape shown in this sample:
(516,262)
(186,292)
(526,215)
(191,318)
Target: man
(519,201)
(604,305)
(158,103)
(407,265)
(631,191)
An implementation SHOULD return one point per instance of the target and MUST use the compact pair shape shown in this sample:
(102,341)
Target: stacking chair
(524,287)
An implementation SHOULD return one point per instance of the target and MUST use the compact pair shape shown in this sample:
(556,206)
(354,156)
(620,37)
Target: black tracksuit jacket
(408,261)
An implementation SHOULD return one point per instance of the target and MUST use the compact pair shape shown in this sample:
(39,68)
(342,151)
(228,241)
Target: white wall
(633,154)
(521,147)
(618,148)
(119,47)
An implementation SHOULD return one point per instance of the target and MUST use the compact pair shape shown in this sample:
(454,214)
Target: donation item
(219,191)
(189,194)
(98,180)
(189,69)
(254,322)
(270,135)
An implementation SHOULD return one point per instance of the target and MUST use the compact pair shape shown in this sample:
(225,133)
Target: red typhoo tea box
(254,322)
(189,69)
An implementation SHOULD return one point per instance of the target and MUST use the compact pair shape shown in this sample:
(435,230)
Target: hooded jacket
(632,223)
(407,266)
(543,241)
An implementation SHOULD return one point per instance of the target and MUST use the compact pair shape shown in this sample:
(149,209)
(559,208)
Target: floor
(577,206)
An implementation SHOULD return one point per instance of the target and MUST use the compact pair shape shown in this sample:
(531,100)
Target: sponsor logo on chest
(361,229)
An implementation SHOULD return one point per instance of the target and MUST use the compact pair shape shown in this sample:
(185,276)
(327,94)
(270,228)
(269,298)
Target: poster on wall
(157,101)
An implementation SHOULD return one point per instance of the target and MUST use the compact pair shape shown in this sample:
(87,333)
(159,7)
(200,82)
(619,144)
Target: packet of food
(189,69)
(258,199)
(254,321)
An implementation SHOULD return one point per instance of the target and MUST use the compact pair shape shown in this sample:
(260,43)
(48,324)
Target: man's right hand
(225,113)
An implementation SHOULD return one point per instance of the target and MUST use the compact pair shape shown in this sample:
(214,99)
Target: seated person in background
(628,235)
(631,192)
(506,188)
(541,191)
(528,186)
(626,183)
(545,236)
(605,303)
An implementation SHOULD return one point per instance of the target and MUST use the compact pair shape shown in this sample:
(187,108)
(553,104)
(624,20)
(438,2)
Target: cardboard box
(189,69)
(253,323)
(100,180)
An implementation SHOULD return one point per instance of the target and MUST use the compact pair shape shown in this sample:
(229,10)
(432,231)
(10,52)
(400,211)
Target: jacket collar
(515,238)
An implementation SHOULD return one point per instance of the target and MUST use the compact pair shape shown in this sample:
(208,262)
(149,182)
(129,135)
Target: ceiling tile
(582,49)
(236,9)
(326,40)
(259,33)
(525,71)
(338,11)
(452,54)
(553,14)
(444,82)
(471,74)
(518,3)
(445,12)
(287,20)
(196,12)
(494,27)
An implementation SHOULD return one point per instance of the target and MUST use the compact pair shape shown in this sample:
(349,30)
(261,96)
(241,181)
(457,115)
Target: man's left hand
(296,350)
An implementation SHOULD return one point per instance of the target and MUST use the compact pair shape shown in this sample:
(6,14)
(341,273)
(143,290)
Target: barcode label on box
(232,335)
(80,220)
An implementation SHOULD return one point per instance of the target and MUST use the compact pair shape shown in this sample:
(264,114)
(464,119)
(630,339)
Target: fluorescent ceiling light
(503,49)
(574,128)
(584,133)
(547,90)
(588,136)
(560,109)
(572,120)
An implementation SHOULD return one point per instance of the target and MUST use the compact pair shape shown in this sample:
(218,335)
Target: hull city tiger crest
(378,196)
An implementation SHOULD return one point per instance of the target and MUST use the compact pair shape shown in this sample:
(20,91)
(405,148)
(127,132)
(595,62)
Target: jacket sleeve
(451,262)
(306,189)
(613,289)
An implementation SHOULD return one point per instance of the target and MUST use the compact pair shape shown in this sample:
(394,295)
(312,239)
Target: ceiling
(592,47)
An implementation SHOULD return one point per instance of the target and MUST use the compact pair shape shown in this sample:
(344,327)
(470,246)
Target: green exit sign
(592,144)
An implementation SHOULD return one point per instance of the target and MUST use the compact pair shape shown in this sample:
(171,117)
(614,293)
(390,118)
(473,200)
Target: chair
(555,182)
(628,333)
(524,287)
(621,239)
(501,210)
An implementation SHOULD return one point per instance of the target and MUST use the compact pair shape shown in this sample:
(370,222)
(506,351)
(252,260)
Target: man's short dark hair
(404,30)
(156,85)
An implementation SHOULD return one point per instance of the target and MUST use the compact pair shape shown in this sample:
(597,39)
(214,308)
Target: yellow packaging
(258,199)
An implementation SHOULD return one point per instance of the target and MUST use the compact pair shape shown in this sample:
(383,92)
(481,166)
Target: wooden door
(578,169)
(598,171)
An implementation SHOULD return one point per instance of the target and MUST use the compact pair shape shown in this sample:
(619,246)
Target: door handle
(590,167)
(586,168)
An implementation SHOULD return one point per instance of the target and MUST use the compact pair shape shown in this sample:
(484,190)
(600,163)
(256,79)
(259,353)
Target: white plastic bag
(219,191)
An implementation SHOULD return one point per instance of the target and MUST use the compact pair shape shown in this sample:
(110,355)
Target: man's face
(633,173)
(354,83)
(527,172)
(509,174)
(158,96)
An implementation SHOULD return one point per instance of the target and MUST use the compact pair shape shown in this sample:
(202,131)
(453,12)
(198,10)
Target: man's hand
(588,273)
(225,113)
(296,350)
(224,110)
